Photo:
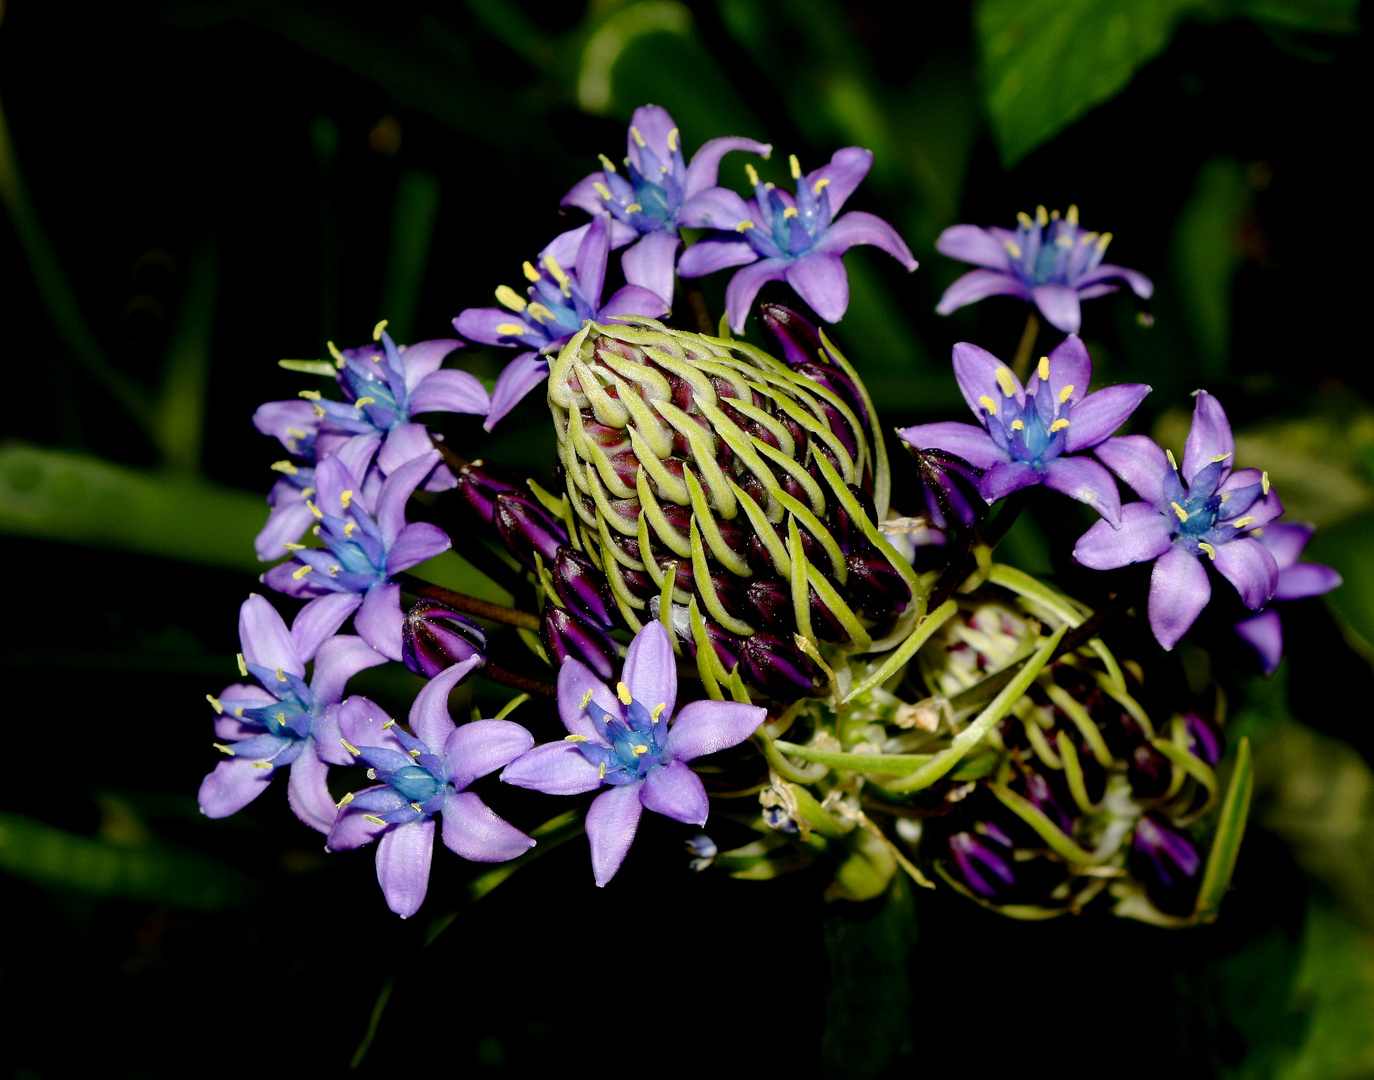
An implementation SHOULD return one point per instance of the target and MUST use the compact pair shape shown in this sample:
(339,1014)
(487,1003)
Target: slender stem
(519,682)
(452,460)
(483,609)
(696,300)
(1025,349)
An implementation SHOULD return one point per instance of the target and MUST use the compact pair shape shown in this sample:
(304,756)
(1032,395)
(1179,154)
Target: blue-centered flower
(1026,431)
(283,720)
(423,772)
(645,204)
(780,236)
(1205,512)
(557,303)
(1048,261)
(627,741)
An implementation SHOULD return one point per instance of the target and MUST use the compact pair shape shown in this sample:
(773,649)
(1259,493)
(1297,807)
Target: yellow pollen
(310,395)
(1013,249)
(377,330)
(281,717)
(601,771)
(641,750)
(1103,241)
(586,699)
(293,546)
(285,467)
(988,404)
(319,411)
(243,668)
(1024,218)
(1041,218)
(413,753)
(1209,549)
(1058,425)
(239,712)
(794,165)
(1066,393)
(1063,240)
(1264,483)
(319,514)
(574,738)
(1044,368)
(790,211)
(345,800)
(633,208)
(350,747)
(638,138)
(658,711)
(539,313)
(672,141)
(607,163)
(531,274)
(345,497)
(307,493)
(334,570)
(261,765)
(214,703)
(1017,425)
(416,807)
(295,433)
(623,693)
(1182,513)
(1240,523)
(334,352)
(350,528)
(1005,380)
(752,173)
(551,265)
(819,185)
(509,298)
(1172,463)
(1071,216)
(510,329)
(769,186)
(298,574)
(385,726)
(602,190)
(364,401)
(1225,496)
(280,676)
(743,225)
(1220,457)
(223,749)
(314,530)
(374,819)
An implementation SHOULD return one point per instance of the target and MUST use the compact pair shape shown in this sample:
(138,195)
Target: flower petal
(1141,464)
(1179,590)
(651,669)
(1143,535)
(363,723)
(860,227)
(231,786)
(675,791)
(1249,566)
(654,124)
(280,419)
(403,857)
(584,196)
(846,170)
(317,622)
(399,486)
(976,370)
(482,747)
(338,660)
(970,244)
(307,792)
(423,358)
(403,443)
(820,279)
(1305,579)
(745,285)
(553,768)
(575,681)
(1059,305)
(429,716)
(1142,286)
(519,377)
(1005,477)
(1284,540)
(592,254)
(967,441)
(417,542)
(285,525)
(612,820)
(1099,414)
(1209,438)
(1263,633)
(264,637)
(979,285)
(714,253)
(703,727)
(704,169)
(650,262)
(452,391)
(484,325)
(379,620)
(474,831)
(1070,366)
(1088,482)
(713,208)
(633,300)
(352,829)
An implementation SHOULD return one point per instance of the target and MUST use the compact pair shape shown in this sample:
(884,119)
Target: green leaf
(1047,62)
(1314,16)
(180,420)
(412,225)
(1207,254)
(1235,809)
(76,499)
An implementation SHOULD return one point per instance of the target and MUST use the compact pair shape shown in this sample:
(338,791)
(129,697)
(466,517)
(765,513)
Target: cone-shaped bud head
(950,487)
(582,587)
(798,336)
(1166,861)
(566,633)
(435,637)
(481,481)
(716,462)
(526,528)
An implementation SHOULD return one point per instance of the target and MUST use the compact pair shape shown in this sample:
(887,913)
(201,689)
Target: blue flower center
(1050,250)
(635,749)
(415,783)
(290,716)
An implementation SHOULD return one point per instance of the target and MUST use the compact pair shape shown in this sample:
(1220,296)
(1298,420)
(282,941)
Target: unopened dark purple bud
(482,481)
(950,486)
(582,587)
(1205,739)
(526,528)
(776,666)
(1167,862)
(1148,771)
(770,604)
(1038,791)
(800,340)
(875,583)
(566,633)
(824,623)
(435,637)
(984,864)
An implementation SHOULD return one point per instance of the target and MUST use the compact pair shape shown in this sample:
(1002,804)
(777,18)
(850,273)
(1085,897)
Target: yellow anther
(345,800)
(413,753)
(819,185)
(509,298)
(1017,425)
(510,329)
(1058,425)
(334,352)
(752,173)
(601,771)
(641,750)
(372,774)
(350,747)
(285,467)
(345,497)
(295,433)
(350,527)
(1182,513)
(417,807)
(1225,496)
(243,668)
(389,723)
(574,738)
(319,514)
(769,186)
(374,819)
(1054,215)
(1208,548)
(298,574)
(281,677)
(586,699)
(334,570)
(214,703)
(319,411)
(1264,483)
(607,163)
(1024,218)
(223,749)
(1220,457)
(261,765)
(1066,393)
(531,274)
(551,265)
(362,402)
(658,711)
(314,530)
(1240,523)
(281,716)
(988,404)
(1172,463)
(1044,368)
(623,693)
(672,141)
(377,330)
(794,165)
(1005,380)
(633,208)
(291,545)
(1041,217)
(1071,215)
(790,211)
(636,136)
(602,190)
(540,314)
(1103,241)
(1013,249)
(1063,240)
(310,395)
(744,225)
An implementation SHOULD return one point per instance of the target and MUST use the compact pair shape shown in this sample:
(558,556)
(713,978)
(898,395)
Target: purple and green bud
(526,528)
(436,637)
(1166,861)
(566,633)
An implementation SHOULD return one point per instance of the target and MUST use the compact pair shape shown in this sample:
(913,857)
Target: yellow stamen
(285,467)
(261,765)
(362,402)
(298,574)
(1072,215)
(1103,241)
(658,711)
(510,329)
(551,265)
(1225,496)
(794,165)
(1220,457)
(334,352)
(602,190)
(307,493)
(334,570)
(413,753)
(607,163)
(1209,549)
(1044,368)
(345,800)
(345,497)
(350,528)
(574,738)
(988,404)
(319,411)
(819,185)
(672,141)
(350,747)
(1240,523)
(752,173)
(319,514)
(295,433)
(1005,380)
(386,726)
(223,749)
(374,819)
(280,677)
(539,313)
(1017,425)
(790,211)
(531,274)
(586,699)
(416,806)
(1182,513)
(310,395)
(243,668)
(1024,218)
(509,298)
(1172,463)
(214,703)
(633,208)
(292,546)
(623,693)
(640,750)
(1264,483)
(1041,218)
(743,225)
(1063,240)
(1058,425)
(1066,393)
(377,330)
(636,136)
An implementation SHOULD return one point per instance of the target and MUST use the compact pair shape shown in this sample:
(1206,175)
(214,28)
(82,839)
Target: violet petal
(307,792)
(1140,463)
(1209,438)
(517,379)
(612,820)
(650,263)
(1143,535)
(553,768)
(703,727)
(482,747)
(265,638)
(1264,633)
(651,669)
(474,831)
(1098,415)
(745,285)
(967,441)
(819,278)
(675,791)
(379,620)
(1305,579)
(450,391)
(979,285)
(1179,590)
(970,244)
(1059,304)
(1086,481)
(404,854)
(1249,566)
(231,786)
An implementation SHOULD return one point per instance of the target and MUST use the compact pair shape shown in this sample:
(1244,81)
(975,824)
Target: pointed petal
(279,418)
(424,358)
(654,124)
(820,279)
(519,377)
(675,791)
(231,786)
(575,681)
(1285,540)
(650,261)
(703,727)
(1059,305)
(651,669)
(264,637)
(399,486)
(1069,365)
(979,285)
(379,621)
(307,792)
(846,170)
(970,244)
(745,285)
(633,300)
(450,391)
(1264,634)
(339,659)
(285,525)
(1305,579)
(1179,590)
(584,196)
(317,622)
(403,857)
(555,769)
(1098,415)
(429,716)
(1140,463)
(714,253)
(612,820)
(1143,535)
(713,208)
(418,541)
(967,441)
(975,370)
(483,325)
(1139,283)
(859,227)
(472,829)
(1249,566)
(1086,481)
(363,723)
(403,443)
(704,169)
(1209,438)
(1005,477)
(351,829)
(592,254)
(482,747)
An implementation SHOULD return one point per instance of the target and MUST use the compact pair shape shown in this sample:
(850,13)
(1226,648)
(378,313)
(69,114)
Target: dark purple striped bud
(582,587)
(1167,862)
(482,481)
(800,341)
(435,637)
(770,604)
(876,584)
(776,666)
(1205,738)
(1149,772)
(983,860)
(566,633)
(1038,792)
(526,528)
(950,486)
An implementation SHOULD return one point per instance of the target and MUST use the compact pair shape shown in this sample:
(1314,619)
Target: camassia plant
(719,615)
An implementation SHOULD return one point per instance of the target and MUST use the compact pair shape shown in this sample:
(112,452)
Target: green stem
(1025,348)
(519,682)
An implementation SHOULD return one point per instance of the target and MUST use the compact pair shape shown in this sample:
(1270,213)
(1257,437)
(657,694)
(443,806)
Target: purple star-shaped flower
(560,301)
(1026,431)
(1047,260)
(283,721)
(1205,514)
(362,551)
(1285,541)
(645,205)
(423,774)
(786,237)
(622,740)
